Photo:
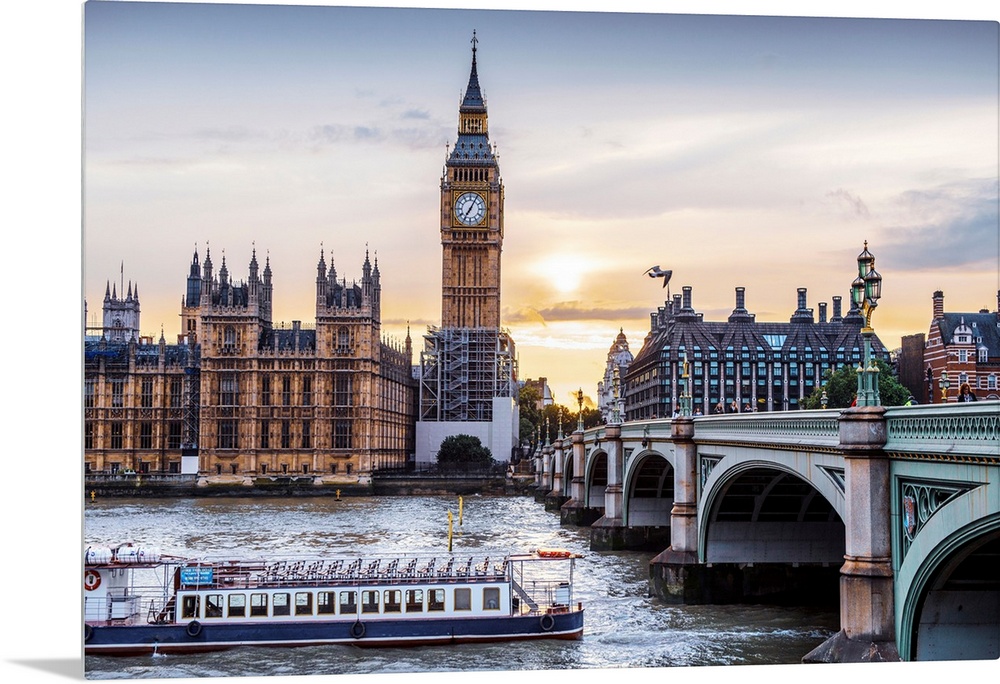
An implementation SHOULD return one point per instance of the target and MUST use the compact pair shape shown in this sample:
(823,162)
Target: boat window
(392,601)
(189,607)
(237,605)
(303,603)
(326,602)
(369,601)
(491,598)
(213,606)
(463,599)
(414,601)
(279,605)
(258,605)
(348,602)
(435,599)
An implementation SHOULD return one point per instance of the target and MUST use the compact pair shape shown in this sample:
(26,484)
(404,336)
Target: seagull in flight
(657,272)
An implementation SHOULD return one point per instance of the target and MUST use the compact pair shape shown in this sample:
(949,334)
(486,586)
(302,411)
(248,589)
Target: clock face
(470,208)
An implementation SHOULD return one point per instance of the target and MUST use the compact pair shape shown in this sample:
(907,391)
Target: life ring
(547,622)
(88,632)
(91,580)
(193,628)
(358,629)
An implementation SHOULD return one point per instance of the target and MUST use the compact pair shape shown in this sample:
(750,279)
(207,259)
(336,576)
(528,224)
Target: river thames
(623,627)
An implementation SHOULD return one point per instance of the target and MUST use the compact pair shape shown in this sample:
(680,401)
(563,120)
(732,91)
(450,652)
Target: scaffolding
(462,370)
(191,404)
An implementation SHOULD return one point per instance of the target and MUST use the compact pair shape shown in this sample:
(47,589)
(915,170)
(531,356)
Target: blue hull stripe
(377,632)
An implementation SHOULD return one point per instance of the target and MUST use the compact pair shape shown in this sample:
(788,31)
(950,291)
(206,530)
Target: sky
(737,151)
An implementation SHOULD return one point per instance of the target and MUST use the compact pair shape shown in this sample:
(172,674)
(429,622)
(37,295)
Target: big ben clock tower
(471,219)
(468,368)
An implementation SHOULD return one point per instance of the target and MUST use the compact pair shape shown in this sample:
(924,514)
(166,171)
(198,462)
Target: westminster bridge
(896,509)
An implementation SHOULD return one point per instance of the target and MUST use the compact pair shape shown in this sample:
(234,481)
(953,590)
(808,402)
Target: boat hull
(207,636)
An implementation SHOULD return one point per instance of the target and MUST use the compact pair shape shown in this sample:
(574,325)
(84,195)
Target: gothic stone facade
(249,400)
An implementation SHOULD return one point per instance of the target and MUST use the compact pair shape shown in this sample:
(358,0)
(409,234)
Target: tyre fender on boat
(88,632)
(358,629)
(193,628)
(547,622)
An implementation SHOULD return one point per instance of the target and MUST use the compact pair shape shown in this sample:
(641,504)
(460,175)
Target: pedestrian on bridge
(965,393)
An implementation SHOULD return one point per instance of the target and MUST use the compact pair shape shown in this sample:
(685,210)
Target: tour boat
(139,601)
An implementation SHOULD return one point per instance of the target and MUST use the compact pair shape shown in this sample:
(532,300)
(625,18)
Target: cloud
(573,311)
(954,225)
(367,133)
(416,114)
(411,138)
(854,204)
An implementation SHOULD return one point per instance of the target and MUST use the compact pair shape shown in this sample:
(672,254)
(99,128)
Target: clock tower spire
(471,218)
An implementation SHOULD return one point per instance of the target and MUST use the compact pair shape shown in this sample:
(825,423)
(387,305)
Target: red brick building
(965,346)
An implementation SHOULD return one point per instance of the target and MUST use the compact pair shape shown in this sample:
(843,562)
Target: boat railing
(236,574)
(113,610)
(161,612)
(548,596)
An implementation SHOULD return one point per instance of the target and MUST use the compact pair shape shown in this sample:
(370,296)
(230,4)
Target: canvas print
(451,340)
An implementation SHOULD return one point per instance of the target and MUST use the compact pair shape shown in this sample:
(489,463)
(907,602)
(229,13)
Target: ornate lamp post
(945,384)
(866,290)
(579,415)
(616,412)
(685,389)
(824,399)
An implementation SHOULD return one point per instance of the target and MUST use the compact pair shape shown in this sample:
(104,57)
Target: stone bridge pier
(866,578)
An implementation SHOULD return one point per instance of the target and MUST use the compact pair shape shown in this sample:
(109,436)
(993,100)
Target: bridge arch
(567,470)
(649,491)
(766,512)
(950,609)
(596,480)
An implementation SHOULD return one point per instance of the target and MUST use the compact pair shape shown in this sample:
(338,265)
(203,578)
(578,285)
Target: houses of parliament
(237,398)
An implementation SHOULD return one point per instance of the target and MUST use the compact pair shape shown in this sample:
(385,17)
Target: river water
(623,627)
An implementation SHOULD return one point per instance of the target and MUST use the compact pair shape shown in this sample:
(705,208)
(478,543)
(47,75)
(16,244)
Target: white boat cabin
(141,586)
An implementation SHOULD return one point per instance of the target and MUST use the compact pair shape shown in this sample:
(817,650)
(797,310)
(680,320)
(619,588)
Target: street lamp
(616,412)
(685,388)
(824,399)
(579,416)
(866,290)
(945,384)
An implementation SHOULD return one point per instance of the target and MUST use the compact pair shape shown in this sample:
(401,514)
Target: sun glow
(564,272)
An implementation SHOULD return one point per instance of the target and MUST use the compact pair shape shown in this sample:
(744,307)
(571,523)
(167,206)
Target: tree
(841,386)
(528,399)
(464,450)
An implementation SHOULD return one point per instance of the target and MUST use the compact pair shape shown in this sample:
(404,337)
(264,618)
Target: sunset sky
(735,150)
